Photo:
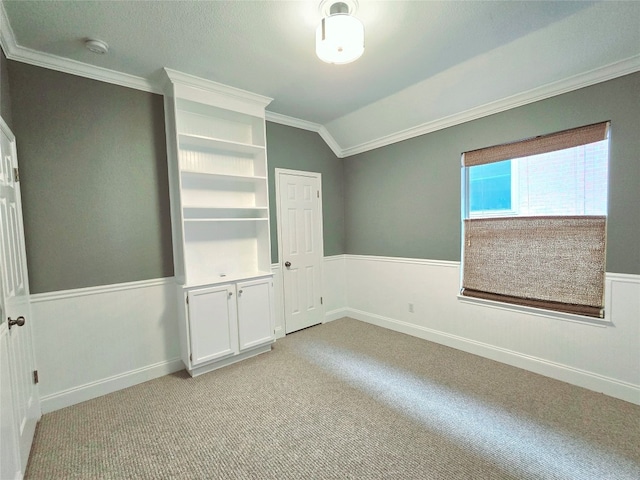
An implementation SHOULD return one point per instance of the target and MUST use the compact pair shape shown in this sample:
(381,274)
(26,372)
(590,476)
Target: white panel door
(255,312)
(14,298)
(9,442)
(300,226)
(213,331)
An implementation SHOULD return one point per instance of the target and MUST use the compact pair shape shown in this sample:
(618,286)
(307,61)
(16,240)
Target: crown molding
(598,75)
(209,85)
(13,51)
(7,38)
(292,121)
(305,125)
(329,140)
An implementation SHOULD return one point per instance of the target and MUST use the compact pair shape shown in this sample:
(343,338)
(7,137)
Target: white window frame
(497,305)
(513,211)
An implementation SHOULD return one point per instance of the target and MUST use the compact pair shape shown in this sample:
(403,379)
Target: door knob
(287,264)
(17,322)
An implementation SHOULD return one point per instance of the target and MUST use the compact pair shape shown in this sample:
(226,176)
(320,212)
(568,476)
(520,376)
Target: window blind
(537,145)
(556,263)
(550,262)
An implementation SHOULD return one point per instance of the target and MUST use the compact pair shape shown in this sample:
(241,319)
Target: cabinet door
(255,312)
(213,331)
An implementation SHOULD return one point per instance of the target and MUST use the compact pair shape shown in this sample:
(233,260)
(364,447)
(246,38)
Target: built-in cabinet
(229,319)
(220,220)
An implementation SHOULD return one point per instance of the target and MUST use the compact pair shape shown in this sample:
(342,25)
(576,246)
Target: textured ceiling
(424,60)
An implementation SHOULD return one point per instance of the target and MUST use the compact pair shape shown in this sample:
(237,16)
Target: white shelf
(194,212)
(225,219)
(215,144)
(221,162)
(225,176)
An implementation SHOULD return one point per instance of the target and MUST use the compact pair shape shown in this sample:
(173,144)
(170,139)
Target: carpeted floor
(345,400)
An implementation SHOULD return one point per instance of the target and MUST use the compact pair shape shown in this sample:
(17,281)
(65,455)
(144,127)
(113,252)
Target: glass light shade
(339,39)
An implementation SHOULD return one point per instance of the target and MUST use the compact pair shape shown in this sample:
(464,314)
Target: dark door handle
(287,264)
(17,322)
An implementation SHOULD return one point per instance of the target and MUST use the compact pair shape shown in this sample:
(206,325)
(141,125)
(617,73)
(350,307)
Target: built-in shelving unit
(219,195)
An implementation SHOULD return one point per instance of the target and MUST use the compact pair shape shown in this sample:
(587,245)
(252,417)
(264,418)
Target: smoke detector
(96,46)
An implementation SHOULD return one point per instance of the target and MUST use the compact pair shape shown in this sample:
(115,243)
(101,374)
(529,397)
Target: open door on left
(21,375)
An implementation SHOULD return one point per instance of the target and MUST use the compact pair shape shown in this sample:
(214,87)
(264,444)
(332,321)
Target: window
(534,221)
(491,189)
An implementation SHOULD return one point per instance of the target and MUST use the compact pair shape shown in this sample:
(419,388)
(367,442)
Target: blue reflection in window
(490,187)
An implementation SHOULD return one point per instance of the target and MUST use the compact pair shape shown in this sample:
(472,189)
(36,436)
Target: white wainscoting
(601,357)
(94,341)
(278,295)
(334,287)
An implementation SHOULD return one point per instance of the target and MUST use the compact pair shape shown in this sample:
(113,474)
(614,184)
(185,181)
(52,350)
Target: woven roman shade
(555,263)
(550,262)
(537,145)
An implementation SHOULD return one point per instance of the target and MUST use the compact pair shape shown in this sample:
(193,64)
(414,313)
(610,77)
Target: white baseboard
(82,393)
(279,330)
(608,386)
(332,315)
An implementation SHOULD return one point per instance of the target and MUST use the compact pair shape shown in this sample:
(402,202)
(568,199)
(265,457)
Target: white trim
(538,312)
(278,296)
(598,75)
(334,258)
(291,121)
(209,85)
(107,385)
(318,177)
(116,287)
(335,314)
(413,261)
(7,131)
(7,37)
(16,52)
(599,383)
(197,371)
(300,173)
(329,140)
(305,125)
(623,277)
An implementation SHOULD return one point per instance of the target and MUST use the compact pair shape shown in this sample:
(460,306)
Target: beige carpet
(345,400)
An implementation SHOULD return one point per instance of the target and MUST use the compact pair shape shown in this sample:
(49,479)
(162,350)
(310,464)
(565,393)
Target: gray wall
(403,200)
(5,98)
(297,149)
(94,180)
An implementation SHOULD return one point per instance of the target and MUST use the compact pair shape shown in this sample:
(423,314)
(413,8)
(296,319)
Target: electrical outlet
(411,308)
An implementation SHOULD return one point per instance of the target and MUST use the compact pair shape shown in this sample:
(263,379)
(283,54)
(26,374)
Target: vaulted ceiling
(427,64)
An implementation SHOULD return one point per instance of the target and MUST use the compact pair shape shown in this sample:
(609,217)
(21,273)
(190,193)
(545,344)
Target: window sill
(539,312)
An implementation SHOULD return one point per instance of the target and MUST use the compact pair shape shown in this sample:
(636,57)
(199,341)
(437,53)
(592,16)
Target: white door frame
(302,173)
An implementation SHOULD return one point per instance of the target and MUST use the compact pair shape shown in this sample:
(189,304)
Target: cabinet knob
(230,294)
(287,264)
(239,292)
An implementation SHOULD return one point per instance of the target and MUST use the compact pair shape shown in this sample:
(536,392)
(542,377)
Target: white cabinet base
(194,372)
(222,324)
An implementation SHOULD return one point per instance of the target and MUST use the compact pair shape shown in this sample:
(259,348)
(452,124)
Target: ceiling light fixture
(96,46)
(340,36)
